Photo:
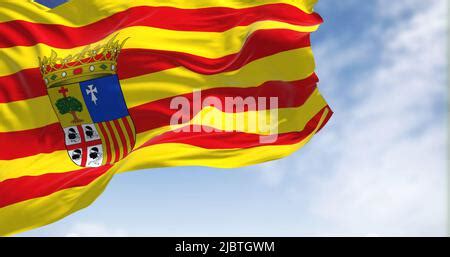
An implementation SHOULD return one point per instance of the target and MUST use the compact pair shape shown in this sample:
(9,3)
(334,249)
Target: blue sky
(378,168)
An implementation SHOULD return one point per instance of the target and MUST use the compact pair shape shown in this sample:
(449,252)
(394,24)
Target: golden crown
(90,63)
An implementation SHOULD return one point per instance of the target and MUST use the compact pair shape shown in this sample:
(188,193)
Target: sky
(377,169)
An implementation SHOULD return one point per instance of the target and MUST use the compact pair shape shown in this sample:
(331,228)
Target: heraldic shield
(86,96)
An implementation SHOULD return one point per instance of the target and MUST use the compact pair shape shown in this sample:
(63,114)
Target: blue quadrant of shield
(104,99)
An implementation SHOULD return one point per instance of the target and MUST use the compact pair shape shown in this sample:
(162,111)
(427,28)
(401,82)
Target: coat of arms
(86,96)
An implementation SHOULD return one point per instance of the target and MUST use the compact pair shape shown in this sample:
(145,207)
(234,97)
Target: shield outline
(102,137)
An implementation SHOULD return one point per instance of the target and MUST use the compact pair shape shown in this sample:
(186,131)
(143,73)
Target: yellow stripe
(205,44)
(95,10)
(117,137)
(133,129)
(111,144)
(22,10)
(127,139)
(26,114)
(56,162)
(297,64)
(44,210)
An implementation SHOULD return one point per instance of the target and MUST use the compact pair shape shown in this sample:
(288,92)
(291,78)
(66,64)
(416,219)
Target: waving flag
(93,88)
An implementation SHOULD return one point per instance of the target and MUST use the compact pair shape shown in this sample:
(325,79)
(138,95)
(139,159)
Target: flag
(93,88)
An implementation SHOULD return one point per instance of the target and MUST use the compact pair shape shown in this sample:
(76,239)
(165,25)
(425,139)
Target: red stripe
(151,115)
(114,139)
(215,19)
(129,132)
(25,188)
(107,143)
(231,140)
(122,137)
(327,118)
(137,62)
(40,140)
(22,85)
(83,148)
(84,144)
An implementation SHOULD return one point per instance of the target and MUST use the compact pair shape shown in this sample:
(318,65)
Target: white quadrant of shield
(94,156)
(90,132)
(76,155)
(72,135)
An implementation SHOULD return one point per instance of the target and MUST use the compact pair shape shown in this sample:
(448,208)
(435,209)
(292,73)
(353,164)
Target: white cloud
(394,9)
(382,157)
(94,230)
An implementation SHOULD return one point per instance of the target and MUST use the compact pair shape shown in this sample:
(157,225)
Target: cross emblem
(92,91)
(83,145)
(63,91)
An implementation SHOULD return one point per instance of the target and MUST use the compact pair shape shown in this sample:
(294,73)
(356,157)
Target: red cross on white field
(83,145)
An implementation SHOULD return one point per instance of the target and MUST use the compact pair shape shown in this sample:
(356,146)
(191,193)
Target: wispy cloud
(379,167)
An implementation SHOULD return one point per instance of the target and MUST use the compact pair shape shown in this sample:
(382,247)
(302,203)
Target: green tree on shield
(70,105)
